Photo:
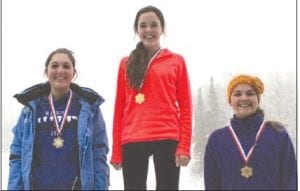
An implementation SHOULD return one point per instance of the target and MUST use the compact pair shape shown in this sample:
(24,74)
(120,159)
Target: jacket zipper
(33,125)
(74,183)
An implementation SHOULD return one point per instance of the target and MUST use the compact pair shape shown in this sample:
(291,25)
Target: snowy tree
(279,101)
(208,117)
(225,111)
(214,118)
(198,138)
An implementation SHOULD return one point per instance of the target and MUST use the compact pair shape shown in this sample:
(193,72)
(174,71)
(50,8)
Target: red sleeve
(120,101)
(185,106)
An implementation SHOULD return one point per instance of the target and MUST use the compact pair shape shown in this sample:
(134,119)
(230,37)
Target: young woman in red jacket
(153,109)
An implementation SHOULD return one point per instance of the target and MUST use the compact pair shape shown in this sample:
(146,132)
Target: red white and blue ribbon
(57,127)
(247,157)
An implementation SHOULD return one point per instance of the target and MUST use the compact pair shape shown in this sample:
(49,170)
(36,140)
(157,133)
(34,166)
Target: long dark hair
(138,60)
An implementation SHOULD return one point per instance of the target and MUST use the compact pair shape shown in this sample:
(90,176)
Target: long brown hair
(278,126)
(138,60)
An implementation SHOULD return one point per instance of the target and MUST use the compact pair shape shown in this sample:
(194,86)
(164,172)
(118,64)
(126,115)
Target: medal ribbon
(150,61)
(239,146)
(50,99)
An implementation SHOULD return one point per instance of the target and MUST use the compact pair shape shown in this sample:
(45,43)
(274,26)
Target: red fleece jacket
(166,112)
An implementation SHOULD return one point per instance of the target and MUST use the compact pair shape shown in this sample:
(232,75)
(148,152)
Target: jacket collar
(40,89)
(249,124)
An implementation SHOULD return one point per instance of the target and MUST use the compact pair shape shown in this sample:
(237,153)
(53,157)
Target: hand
(182,160)
(116,166)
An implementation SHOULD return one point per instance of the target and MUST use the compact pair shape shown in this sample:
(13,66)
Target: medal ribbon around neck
(238,144)
(50,99)
(150,61)
(140,97)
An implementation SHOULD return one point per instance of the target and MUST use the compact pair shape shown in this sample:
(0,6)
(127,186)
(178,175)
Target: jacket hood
(37,90)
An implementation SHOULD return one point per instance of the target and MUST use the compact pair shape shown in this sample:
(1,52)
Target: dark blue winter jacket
(273,159)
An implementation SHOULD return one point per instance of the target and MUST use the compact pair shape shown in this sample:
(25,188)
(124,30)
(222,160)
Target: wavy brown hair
(138,60)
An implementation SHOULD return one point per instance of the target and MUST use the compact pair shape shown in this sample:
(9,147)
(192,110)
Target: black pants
(135,164)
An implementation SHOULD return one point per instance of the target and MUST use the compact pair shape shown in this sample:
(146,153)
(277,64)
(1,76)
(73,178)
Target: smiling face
(244,101)
(60,73)
(149,30)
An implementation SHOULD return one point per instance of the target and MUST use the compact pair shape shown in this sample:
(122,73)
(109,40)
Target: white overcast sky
(217,38)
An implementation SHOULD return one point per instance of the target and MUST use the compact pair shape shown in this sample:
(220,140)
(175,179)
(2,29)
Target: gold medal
(139,98)
(58,142)
(246,171)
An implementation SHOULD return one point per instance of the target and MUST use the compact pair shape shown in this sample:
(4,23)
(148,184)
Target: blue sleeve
(288,165)
(15,176)
(100,150)
(212,177)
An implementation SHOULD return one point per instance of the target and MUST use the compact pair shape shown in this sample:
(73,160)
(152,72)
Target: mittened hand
(182,160)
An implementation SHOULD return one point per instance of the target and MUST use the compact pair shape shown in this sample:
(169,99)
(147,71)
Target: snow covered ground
(187,181)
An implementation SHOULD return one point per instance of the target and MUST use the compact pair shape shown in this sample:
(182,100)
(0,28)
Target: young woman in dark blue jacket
(250,153)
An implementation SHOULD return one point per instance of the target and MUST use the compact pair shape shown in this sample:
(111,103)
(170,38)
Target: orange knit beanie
(253,81)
